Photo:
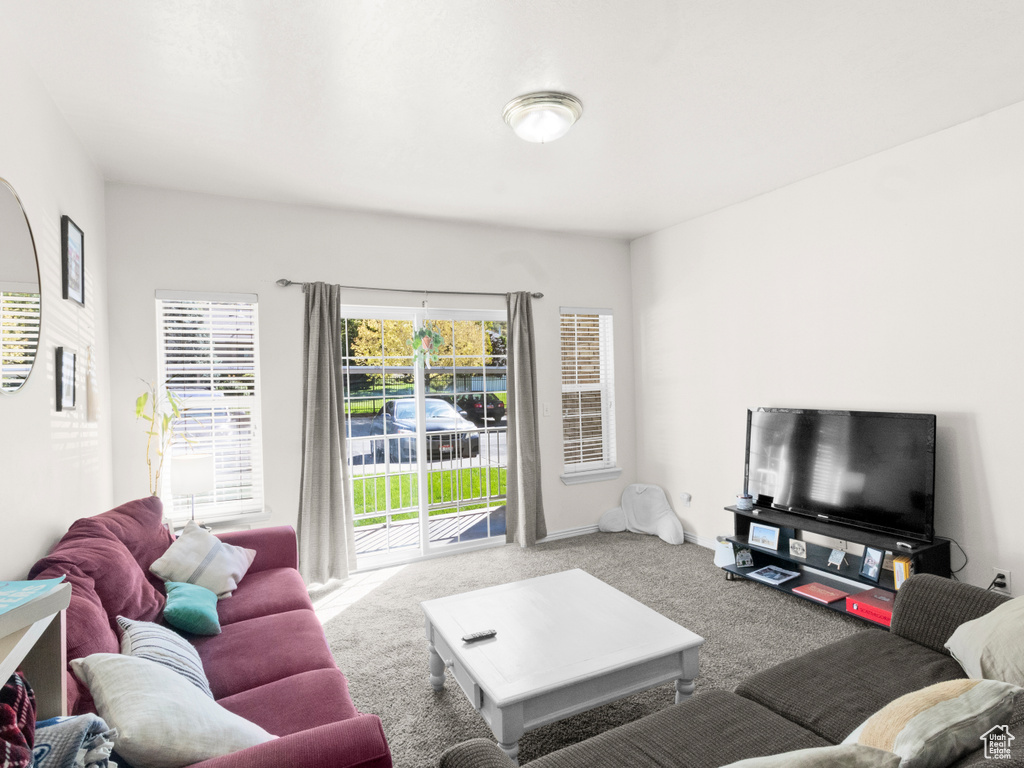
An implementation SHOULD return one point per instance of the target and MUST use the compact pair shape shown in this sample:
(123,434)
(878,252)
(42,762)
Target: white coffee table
(566,643)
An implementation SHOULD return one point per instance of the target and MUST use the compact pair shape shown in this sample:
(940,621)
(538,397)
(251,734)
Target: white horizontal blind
(209,358)
(19,337)
(588,389)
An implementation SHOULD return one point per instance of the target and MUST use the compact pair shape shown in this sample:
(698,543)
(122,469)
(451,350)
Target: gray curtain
(524,514)
(326,537)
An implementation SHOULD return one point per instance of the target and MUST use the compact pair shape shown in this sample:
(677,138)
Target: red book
(820,592)
(873,604)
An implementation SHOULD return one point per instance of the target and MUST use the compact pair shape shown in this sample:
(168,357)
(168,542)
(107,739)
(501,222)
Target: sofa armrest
(475,753)
(929,608)
(354,743)
(276,547)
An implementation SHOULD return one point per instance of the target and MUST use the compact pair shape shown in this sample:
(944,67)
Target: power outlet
(1001,574)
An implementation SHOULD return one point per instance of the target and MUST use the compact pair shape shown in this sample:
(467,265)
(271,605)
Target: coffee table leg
(684,689)
(512,750)
(436,669)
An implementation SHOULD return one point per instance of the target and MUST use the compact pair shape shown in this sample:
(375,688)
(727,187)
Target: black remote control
(472,638)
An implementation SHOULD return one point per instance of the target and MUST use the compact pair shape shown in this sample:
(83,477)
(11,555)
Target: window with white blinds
(19,336)
(588,389)
(209,359)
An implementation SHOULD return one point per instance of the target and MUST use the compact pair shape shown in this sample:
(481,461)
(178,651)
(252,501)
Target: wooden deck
(443,529)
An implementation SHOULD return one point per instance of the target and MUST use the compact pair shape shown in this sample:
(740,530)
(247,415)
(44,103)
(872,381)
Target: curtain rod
(285,282)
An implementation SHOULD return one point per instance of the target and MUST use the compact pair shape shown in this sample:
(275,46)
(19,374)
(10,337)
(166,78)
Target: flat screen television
(874,471)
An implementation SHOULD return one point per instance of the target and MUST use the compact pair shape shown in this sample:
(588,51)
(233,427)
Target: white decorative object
(565,643)
(724,553)
(644,509)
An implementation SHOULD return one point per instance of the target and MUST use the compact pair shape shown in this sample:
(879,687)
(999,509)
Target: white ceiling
(395,105)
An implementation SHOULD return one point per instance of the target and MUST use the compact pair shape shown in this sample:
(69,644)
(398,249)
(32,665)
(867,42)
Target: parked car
(450,434)
(472,407)
(480,411)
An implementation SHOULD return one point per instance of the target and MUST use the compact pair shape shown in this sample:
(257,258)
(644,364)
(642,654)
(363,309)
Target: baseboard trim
(703,541)
(569,533)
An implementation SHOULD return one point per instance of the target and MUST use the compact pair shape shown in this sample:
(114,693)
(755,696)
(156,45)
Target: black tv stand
(926,558)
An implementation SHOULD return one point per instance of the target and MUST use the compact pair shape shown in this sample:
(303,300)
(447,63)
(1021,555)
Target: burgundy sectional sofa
(271,663)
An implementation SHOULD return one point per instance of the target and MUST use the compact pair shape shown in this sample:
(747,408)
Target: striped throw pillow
(146,640)
(934,726)
(199,557)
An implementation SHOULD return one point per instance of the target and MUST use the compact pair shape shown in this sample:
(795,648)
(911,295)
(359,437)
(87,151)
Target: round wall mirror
(20,305)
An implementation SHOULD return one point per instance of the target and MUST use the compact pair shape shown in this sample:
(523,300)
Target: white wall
(890,284)
(169,240)
(54,467)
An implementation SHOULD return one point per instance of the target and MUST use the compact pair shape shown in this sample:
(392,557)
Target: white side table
(32,637)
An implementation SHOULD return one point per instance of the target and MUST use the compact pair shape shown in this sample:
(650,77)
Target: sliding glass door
(426,441)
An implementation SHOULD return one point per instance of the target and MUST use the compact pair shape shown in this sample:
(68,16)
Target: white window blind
(19,336)
(209,358)
(588,389)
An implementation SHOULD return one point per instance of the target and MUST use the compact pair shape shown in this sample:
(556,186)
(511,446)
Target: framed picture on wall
(65,379)
(72,260)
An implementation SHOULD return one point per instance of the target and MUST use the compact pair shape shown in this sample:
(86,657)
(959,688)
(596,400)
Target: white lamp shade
(194,473)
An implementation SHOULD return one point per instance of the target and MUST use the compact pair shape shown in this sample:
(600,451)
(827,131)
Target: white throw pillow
(162,720)
(147,640)
(934,726)
(199,557)
(990,647)
(839,756)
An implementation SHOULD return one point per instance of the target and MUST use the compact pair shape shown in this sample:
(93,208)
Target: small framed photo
(72,260)
(871,566)
(744,559)
(797,548)
(836,557)
(65,379)
(765,536)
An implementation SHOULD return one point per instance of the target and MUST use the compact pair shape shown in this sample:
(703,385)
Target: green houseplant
(159,411)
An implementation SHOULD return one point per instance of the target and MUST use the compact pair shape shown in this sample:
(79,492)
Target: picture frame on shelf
(72,260)
(65,379)
(744,559)
(798,548)
(764,536)
(871,565)
(836,557)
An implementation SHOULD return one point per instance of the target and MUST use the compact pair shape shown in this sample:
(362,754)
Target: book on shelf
(15,593)
(820,592)
(24,602)
(902,567)
(772,574)
(874,604)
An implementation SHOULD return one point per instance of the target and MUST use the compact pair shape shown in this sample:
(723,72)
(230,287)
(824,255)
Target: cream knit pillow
(199,557)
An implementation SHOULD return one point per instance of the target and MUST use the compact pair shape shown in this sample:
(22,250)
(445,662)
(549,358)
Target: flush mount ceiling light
(543,116)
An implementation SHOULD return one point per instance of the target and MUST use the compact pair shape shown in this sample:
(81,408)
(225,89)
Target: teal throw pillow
(191,608)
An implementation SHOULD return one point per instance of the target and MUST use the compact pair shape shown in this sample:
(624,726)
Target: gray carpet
(380,645)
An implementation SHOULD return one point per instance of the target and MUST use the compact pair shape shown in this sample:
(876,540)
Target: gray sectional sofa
(814,700)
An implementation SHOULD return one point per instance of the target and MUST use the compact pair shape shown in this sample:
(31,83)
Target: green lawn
(450,485)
